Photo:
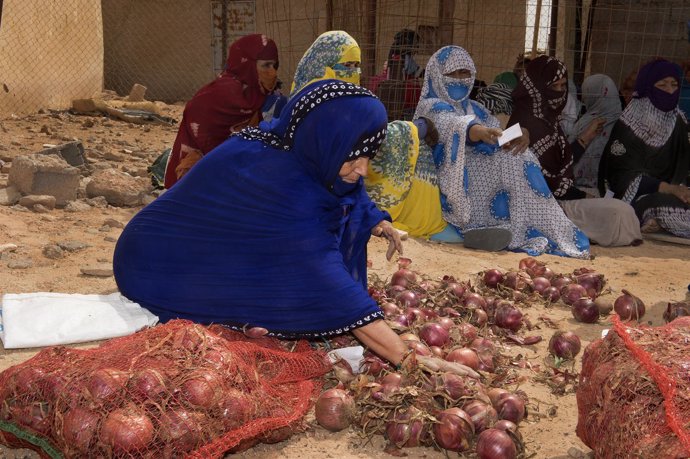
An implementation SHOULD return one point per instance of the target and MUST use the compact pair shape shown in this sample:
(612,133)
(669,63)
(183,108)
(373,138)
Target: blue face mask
(458,89)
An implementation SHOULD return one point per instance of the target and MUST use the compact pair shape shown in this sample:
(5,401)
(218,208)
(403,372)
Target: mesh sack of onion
(634,393)
(175,390)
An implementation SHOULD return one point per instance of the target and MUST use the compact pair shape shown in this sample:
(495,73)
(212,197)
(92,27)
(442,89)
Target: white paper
(354,355)
(609,194)
(513,132)
(46,319)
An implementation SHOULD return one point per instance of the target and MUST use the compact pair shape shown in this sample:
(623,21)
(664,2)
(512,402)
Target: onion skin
(584,310)
(565,344)
(629,307)
(454,430)
(495,444)
(334,410)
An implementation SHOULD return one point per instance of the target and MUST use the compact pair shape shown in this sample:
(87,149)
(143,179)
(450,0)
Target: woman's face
(668,84)
(268,73)
(559,85)
(351,64)
(351,171)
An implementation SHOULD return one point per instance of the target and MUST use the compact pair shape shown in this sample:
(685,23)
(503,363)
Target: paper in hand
(513,132)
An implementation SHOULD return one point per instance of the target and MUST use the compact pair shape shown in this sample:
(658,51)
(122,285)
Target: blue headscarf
(255,234)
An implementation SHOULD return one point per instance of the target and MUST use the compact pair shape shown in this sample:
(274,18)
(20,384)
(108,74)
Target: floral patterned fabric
(481,185)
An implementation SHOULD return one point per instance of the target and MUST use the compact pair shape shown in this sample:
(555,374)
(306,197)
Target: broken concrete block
(31,200)
(118,188)
(136,94)
(72,152)
(45,175)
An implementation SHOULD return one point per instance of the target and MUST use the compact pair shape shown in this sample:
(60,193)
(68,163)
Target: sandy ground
(657,272)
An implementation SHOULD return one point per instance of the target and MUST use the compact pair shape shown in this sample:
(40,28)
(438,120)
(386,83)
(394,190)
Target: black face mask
(663,100)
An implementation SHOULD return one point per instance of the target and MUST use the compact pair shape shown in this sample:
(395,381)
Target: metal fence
(53,52)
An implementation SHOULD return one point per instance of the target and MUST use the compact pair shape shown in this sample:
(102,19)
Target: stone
(119,189)
(113,223)
(136,94)
(73,246)
(71,152)
(101,270)
(8,248)
(104,228)
(77,206)
(99,202)
(112,156)
(53,252)
(22,263)
(31,200)
(6,167)
(40,209)
(45,175)
(110,239)
(9,196)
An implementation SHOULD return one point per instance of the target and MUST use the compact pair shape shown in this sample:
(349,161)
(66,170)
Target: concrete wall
(51,51)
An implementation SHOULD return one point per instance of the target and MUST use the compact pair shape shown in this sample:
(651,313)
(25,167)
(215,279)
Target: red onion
(495,394)
(453,385)
(415,314)
(78,428)
(548,273)
(147,384)
(393,290)
(491,303)
(106,382)
(551,294)
(401,319)
(377,294)
(391,382)
(517,280)
(203,388)
(405,428)
(390,309)
(407,299)
(437,351)
(373,365)
(419,348)
(429,314)
(404,278)
(37,416)
(434,334)
(467,332)
(593,283)
(508,426)
(464,356)
(404,262)
(334,409)
(28,380)
(478,317)
(493,277)
(255,332)
(189,338)
(446,322)
(629,307)
(454,430)
(508,316)
(409,337)
(127,430)
(483,416)
(182,429)
(561,281)
(573,292)
(675,310)
(474,300)
(456,289)
(482,344)
(486,361)
(540,284)
(511,407)
(236,408)
(564,344)
(495,444)
(584,310)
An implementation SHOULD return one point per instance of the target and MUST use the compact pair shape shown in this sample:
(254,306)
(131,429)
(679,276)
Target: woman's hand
(519,145)
(680,191)
(385,229)
(479,133)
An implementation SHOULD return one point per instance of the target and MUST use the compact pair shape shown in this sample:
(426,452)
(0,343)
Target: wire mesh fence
(53,52)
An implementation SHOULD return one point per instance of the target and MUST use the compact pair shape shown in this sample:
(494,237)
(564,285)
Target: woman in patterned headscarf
(537,103)
(647,158)
(400,181)
(226,105)
(600,97)
(270,229)
(481,184)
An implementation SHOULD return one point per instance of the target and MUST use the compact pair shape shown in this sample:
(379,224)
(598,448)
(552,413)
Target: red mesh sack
(175,390)
(633,398)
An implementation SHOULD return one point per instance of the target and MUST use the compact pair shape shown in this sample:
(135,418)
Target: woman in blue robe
(270,228)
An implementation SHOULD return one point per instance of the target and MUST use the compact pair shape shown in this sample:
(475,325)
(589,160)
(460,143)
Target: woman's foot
(488,239)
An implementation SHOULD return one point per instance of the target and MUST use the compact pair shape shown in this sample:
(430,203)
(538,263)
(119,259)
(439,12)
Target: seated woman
(407,190)
(646,160)
(270,228)
(226,105)
(537,103)
(481,184)
(600,97)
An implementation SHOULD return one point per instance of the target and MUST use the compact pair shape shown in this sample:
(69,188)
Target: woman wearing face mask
(483,185)
(270,229)
(537,103)
(401,181)
(647,158)
(231,102)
